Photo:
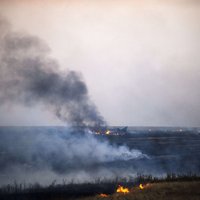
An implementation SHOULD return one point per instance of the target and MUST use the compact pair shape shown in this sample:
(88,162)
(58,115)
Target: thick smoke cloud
(28,76)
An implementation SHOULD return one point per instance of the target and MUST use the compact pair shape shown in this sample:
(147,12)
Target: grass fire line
(125,190)
(177,189)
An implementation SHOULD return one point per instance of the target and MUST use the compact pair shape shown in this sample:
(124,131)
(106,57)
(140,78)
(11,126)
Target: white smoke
(80,157)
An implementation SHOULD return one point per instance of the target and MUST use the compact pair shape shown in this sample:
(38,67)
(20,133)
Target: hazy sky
(140,58)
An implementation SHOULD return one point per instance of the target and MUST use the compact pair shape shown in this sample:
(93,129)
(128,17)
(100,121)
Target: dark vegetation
(62,191)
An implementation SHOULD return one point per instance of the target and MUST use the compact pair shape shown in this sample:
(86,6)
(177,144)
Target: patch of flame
(121,189)
(141,186)
(103,195)
(107,132)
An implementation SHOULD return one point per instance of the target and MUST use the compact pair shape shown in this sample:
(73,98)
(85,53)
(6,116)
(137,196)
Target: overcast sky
(140,58)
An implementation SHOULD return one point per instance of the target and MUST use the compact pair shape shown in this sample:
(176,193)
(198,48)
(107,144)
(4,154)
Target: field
(171,152)
(171,187)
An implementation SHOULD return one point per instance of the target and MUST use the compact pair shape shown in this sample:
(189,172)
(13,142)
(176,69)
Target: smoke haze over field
(44,154)
(140,60)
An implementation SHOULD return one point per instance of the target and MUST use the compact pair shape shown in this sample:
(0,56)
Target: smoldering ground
(29,76)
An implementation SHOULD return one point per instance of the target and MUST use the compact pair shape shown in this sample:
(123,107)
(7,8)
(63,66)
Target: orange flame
(103,195)
(107,132)
(121,189)
(141,186)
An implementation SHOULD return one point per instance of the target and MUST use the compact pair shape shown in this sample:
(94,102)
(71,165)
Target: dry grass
(158,191)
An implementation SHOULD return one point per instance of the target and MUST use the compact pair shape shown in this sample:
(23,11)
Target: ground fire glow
(121,189)
(103,195)
(142,186)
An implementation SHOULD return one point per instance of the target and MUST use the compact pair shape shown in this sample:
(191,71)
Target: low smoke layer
(29,76)
(57,155)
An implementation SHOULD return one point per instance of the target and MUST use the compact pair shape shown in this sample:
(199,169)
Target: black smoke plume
(28,75)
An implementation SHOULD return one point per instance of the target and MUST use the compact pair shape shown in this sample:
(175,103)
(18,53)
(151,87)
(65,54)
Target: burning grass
(143,187)
(122,189)
(103,195)
(161,191)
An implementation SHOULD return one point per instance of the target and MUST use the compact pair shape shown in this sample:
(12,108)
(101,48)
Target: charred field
(142,187)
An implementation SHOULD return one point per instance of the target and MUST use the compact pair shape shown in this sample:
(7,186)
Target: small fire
(107,132)
(141,186)
(103,195)
(121,189)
